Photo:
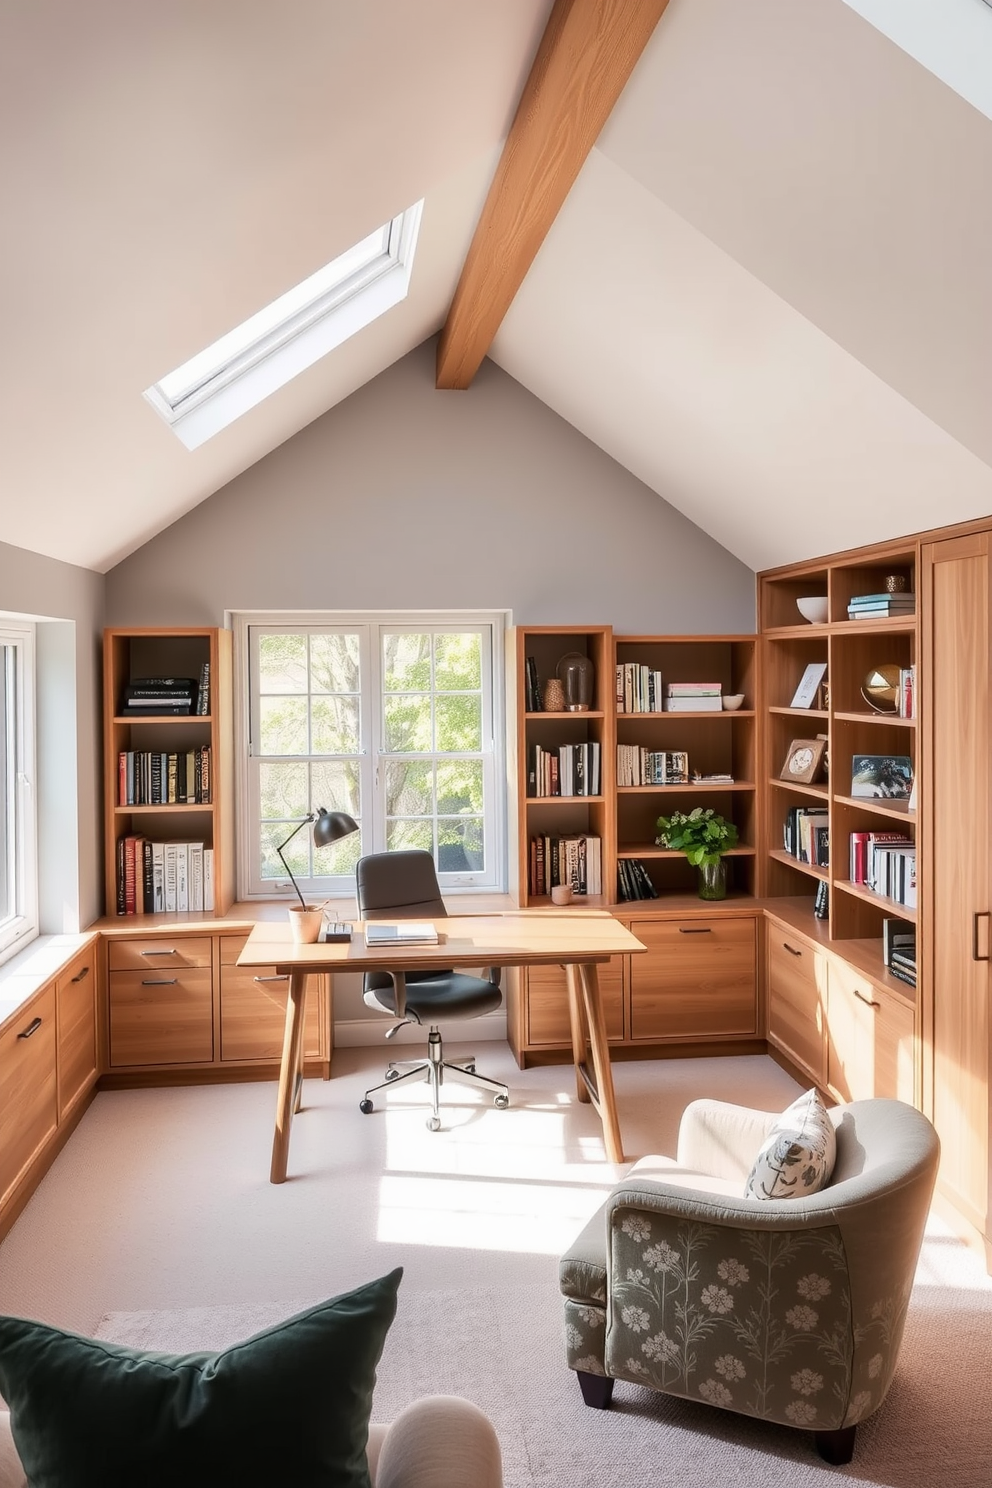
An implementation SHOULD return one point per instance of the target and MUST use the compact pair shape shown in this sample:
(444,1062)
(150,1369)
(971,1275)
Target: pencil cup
(305,923)
(561,894)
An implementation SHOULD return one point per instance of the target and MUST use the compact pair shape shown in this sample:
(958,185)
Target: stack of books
(880,606)
(150,778)
(151,696)
(693,697)
(576,861)
(633,881)
(806,835)
(570,770)
(639,689)
(899,949)
(639,766)
(885,862)
(162,877)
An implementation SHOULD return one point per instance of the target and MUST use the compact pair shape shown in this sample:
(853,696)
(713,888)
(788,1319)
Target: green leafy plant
(702,834)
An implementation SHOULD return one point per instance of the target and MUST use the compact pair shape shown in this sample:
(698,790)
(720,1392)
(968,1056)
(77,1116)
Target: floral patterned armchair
(790,1310)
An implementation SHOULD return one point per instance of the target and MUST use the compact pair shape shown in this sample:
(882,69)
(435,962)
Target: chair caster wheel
(501,1102)
(433,1123)
(366,1107)
(470,1069)
(392,1074)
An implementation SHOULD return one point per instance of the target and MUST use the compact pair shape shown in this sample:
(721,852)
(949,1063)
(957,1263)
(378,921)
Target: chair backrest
(398,884)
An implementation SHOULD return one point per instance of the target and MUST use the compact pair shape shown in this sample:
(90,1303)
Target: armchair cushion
(798,1155)
(291,1404)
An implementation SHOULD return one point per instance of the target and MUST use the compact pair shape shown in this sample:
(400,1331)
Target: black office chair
(403,886)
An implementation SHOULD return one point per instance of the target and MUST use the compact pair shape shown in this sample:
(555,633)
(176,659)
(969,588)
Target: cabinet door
(697,980)
(75,995)
(253,1013)
(870,1039)
(161,1016)
(797,991)
(548,1023)
(28,1100)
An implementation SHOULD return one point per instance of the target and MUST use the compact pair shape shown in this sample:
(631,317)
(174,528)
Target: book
(696,703)
(182,876)
(170,877)
(821,902)
(208,879)
(405,932)
(809,685)
(203,691)
(533,687)
(158,877)
(196,876)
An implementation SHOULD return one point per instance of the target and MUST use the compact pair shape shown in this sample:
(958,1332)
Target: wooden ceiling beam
(585,57)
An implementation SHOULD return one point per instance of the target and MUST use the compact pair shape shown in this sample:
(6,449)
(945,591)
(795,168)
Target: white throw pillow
(797,1157)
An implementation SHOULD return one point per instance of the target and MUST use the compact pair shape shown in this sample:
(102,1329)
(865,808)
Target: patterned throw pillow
(797,1157)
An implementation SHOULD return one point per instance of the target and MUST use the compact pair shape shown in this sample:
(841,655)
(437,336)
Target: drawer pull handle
(159,981)
(166,951)
(283,978)
(862,998)
(84,973)
(791,949)
(32,1027)
(982,914)
(702,930)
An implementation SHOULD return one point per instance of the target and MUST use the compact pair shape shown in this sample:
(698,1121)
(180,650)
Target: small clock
(802,762)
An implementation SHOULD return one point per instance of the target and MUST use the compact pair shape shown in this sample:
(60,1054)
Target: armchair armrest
(440,1441)
(722,1139)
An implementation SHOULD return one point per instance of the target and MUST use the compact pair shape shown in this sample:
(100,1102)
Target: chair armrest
(722,1139)
(440,1441)
(11,1471)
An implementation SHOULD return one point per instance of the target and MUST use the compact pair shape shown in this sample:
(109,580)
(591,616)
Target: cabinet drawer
(28,1104)
(75,993)
(142,954)
(797,990)
(871,1042)
(161,1016)
(253,1013)
(697,980)
(548,1021)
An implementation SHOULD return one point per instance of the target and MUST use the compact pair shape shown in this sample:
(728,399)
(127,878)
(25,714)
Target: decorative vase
(577,675)
(553,696)
(713,880)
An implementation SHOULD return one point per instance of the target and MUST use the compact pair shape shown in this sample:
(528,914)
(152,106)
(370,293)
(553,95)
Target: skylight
(950,38)
(266,351)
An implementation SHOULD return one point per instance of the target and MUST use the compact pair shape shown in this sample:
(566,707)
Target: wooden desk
(575,939)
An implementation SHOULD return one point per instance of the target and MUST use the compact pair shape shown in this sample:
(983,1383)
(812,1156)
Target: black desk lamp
(329,826)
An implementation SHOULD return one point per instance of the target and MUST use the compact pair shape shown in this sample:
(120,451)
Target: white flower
(660,1346)
(636,1276)
(732,1272)
(593,1316)
(860,1406)
(573,1336)
(801,1412)
(634,1366)
(636,1227)
(661,1257)
(803,1319)
(717,1299)
(729,1367)
(635,1318)
(813,1287)
(589,1365)
(874,1366)
(807,1382)
(715,1393)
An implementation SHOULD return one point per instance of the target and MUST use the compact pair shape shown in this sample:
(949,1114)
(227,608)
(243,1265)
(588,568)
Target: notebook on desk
(404,932)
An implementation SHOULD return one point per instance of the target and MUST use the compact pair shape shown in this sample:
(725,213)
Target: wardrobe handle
(283,978)
(32,1027)
(165,951)
(159,981)
(981,914)
(791,949)
(869,1000)
(84,973)
(702,930)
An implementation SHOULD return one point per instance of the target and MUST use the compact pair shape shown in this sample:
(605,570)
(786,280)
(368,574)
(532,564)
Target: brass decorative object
(880,688)
(553,696)
(896,583)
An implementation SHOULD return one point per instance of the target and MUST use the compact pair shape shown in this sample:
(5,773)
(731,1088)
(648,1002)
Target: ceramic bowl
(813,608)
(732,701)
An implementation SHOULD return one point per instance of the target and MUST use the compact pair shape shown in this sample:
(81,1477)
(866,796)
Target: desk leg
(603,1095)
(580,1031)
(290,1069)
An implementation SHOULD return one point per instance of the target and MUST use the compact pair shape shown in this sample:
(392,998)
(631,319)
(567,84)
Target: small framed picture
(809,683)
(802,762)
(886,775)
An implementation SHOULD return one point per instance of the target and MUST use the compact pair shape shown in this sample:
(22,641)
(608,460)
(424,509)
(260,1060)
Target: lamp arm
(282,860)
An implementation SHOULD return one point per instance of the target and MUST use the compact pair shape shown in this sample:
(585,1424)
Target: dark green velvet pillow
(289,1406)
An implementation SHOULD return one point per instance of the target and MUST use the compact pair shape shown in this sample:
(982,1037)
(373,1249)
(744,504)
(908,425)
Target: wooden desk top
(516,939)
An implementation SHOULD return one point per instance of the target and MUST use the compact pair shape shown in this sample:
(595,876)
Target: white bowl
(813,608)
(732,701)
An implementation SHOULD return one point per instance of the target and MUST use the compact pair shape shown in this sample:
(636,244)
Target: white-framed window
(18,819)
(395,719)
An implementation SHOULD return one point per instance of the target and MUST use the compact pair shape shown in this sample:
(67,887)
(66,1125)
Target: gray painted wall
(68,601)
(403,497)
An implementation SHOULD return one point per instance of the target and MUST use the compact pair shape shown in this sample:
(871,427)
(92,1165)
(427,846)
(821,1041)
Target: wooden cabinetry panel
(546,996)
(253,1013)
(870,1039)
(797,991)
(146,953)
(161,1016)
(28,1097)
(696,981)
(75,993)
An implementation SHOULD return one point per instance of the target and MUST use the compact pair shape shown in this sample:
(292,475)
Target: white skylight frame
(238,371)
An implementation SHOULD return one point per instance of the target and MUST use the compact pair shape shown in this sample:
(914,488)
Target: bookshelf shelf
(651,850)
(815,792)
(542,717)
(810,869)
(890,906)
(897,810)
(706,787)
(565,800)
(888,720)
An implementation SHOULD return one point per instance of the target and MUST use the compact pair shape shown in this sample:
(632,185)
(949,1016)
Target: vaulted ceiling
(767,293)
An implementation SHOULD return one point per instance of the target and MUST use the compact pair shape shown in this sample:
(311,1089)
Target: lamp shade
(331,826)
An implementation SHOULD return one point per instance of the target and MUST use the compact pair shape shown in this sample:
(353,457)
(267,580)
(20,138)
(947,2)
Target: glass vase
(713,880)
(577,676)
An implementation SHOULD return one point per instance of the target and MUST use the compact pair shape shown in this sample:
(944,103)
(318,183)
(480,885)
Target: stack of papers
(407,932)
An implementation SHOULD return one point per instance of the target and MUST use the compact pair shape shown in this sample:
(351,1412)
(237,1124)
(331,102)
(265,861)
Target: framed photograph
(802,762)
(886,775)
(809,682)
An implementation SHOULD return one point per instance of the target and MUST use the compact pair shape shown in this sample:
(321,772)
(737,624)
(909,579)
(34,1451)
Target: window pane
(459,723)
(406,663)
(457,662)
(409,788)
(339,857)
(297,853)
(460,845)
(282,663)
(336,785)
(401,835)
(459,787)
(282,725)
(7,754)
(283,791)
(334,725)
(334,663)
(408,724)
